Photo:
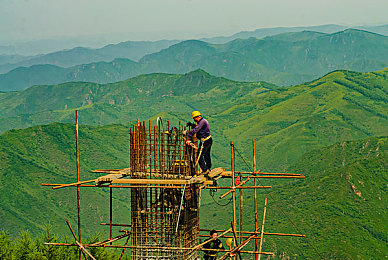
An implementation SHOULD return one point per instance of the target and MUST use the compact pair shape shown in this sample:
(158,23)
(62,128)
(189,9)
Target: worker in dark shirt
(214,244)
(203,133)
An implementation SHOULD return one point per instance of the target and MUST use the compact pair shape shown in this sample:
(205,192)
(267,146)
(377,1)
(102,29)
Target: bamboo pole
(237,248)
(262,227)
(122,186)
(78,188)
(240,187)
(110,240)
(72,184)
(235,239)
(265,233)
(255,183)
(233,185)
(258,172)
(122,251)
(240,217)
(75,237)
(110,212)
(211,239)
(279,177)
(116,225)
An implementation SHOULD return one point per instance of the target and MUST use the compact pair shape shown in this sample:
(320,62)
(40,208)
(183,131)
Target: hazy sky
(156,19)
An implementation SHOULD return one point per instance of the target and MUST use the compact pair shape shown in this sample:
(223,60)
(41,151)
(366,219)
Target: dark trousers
(205,162)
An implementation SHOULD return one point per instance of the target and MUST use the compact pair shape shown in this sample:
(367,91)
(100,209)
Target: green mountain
(46,154)
(340,106)
(132,50)
(340,206)
(286,59)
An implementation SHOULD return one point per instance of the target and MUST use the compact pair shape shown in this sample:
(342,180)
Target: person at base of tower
(202,130)
(214,244)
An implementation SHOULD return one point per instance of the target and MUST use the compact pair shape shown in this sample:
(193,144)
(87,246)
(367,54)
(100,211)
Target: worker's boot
(206,174)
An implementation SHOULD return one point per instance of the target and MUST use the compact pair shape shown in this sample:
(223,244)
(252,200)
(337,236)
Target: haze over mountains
(39,47)
(284,59)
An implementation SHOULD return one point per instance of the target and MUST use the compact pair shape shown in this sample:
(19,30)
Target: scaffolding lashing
(162,217)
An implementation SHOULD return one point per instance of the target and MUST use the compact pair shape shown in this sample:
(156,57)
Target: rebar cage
(167,216)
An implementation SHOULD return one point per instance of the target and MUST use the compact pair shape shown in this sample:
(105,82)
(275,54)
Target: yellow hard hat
(229,241)
(195,114)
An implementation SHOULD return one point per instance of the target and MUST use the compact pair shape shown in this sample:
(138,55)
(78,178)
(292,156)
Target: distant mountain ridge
(132,50)
(265,32)
(283,59)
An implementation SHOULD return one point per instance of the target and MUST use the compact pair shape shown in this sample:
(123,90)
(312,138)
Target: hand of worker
(190,124)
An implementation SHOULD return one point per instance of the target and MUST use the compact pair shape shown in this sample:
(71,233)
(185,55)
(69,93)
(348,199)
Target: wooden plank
(163,181)
(215,172)
(198,179)
(110,177)
(111,170)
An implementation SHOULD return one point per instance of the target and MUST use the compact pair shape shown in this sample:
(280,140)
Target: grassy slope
(42,154)
(340,206)
(340,106)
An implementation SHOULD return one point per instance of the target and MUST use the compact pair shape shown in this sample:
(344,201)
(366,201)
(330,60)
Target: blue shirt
(201,129)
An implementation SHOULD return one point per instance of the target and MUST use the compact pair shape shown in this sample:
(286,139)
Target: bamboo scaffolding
(160,247)
(237,187)
(110,240)
(82,249)
(166,197)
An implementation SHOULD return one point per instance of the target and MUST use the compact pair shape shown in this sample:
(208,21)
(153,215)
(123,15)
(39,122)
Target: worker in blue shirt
(203,133)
